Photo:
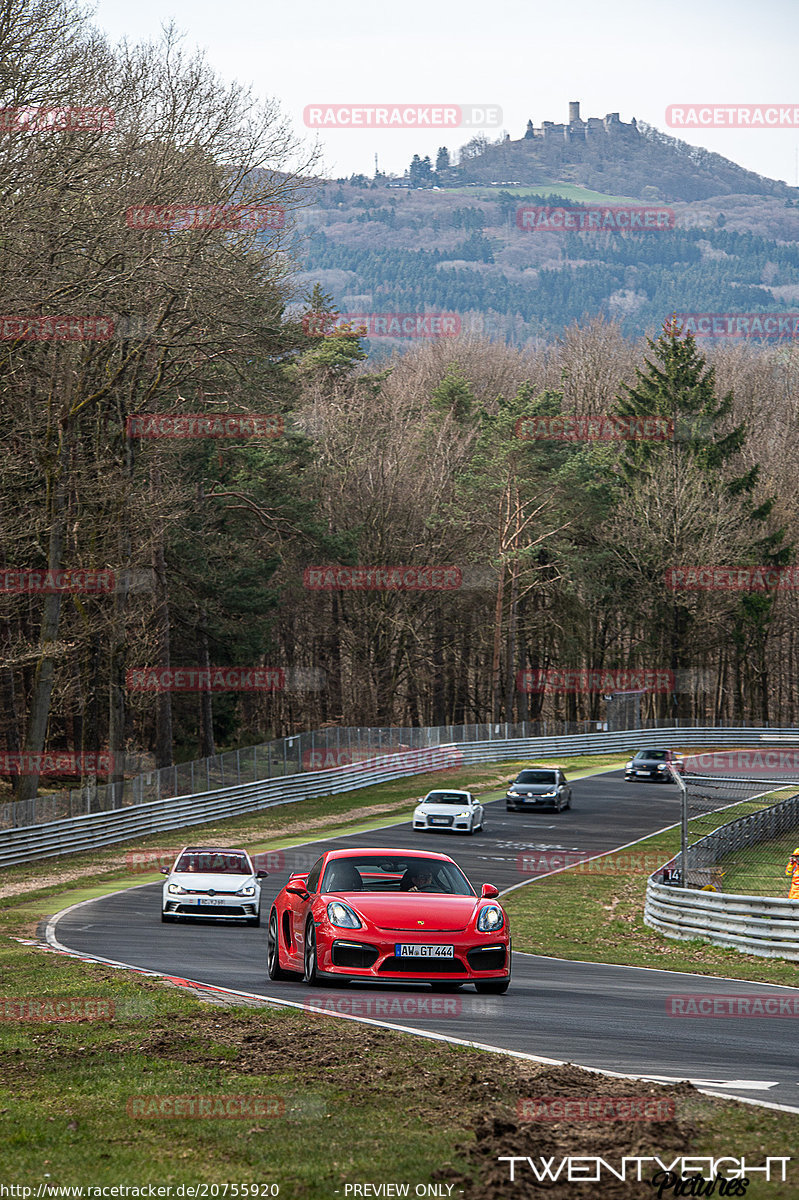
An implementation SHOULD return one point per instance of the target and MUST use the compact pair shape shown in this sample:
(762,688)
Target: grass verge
(593,912)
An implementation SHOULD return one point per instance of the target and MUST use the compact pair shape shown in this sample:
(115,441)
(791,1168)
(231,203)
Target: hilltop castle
(579,130)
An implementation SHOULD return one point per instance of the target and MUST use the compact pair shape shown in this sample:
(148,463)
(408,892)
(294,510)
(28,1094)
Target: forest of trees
(560,548)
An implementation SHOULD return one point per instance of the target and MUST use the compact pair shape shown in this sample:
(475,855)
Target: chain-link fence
(742,832)
(316,750)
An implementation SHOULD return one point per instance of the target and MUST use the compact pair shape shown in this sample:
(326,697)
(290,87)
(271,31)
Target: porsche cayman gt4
(402,915)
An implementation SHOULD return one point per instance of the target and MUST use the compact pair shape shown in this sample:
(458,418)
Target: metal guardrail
(91,831)
(314,750)
(87,832)
(764,925)
(754,924)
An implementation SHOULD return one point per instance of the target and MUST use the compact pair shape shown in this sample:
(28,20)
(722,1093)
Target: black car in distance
(538,787)
(653,764)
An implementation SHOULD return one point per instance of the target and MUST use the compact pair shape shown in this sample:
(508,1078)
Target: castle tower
(574,111)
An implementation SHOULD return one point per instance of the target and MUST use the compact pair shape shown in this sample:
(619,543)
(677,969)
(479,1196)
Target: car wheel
(311,973)
(470,830)
(569,801)
(494,987)
(273,967)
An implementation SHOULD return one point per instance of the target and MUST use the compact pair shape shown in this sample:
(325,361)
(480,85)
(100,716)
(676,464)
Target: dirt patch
(481,1094)
(509,1134)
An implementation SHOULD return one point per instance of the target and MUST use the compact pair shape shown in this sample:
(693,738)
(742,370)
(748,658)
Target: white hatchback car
(210,881)
(455,811)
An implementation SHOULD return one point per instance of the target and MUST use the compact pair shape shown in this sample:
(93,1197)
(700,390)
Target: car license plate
(402,950)
(209,900)
(439,820)
(642,772)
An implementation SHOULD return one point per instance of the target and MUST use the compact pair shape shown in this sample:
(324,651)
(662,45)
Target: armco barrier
(87,832)
(753,924)
(764,925)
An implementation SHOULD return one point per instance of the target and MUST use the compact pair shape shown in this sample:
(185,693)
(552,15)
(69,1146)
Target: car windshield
(394,873)
(654,755)
(536,777)
(446,798)
(213,862)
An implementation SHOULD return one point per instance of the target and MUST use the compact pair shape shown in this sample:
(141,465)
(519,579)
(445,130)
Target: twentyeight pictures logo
(402,116)
(386,324)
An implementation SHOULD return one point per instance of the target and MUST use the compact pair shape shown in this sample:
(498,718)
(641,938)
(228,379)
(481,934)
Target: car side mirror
(488,891)
(164,870)
(261,874)
(298,891)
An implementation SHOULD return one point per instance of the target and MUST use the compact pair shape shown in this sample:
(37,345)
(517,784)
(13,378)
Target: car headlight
(342,915)
(513,793)
(491,918)
(630,765)
(548,794)
(663,767)
(247,890)
(175,889)
(463,814)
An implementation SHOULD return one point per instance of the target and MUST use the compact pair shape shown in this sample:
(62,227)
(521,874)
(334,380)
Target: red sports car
(405,915)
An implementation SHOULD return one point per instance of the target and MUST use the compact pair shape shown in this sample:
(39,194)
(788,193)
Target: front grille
(225,910)
(350,954)
(486,958)
(423,966)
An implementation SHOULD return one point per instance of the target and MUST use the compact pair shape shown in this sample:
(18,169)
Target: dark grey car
(538,787)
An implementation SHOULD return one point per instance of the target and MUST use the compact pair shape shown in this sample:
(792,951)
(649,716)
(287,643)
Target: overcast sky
(529,59)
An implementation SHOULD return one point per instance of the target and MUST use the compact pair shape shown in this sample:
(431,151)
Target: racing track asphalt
(608,1017)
